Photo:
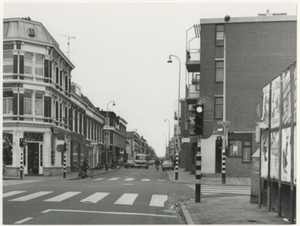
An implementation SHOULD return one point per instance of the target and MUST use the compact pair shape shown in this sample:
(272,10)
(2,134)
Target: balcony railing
(193,60)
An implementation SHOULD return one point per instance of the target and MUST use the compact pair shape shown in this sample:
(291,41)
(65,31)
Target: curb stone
(184,213)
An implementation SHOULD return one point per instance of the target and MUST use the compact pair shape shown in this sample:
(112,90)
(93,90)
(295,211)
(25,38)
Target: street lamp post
(226,19)
(168,135)
(106,134)
(177,151)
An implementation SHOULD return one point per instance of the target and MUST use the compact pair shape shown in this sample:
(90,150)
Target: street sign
(227,123)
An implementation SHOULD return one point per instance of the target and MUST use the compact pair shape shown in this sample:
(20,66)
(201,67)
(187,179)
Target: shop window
(219,34)
(219,67)
(27,102)
(7,148)
(218,107)
(7,102)
(7,62)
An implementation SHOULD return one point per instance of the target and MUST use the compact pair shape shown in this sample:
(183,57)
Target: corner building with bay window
(37,103)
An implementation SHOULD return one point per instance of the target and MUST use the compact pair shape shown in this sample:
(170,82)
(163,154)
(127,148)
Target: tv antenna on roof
(68,37)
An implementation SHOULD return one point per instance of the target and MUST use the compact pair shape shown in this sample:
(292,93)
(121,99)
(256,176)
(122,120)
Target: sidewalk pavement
(222,210)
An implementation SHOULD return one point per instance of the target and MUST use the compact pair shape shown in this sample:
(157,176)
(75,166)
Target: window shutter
(15,104)
(21,105)
(21,66)
(15,63)
(71,118)
(57,76)
(46,69)
(56,111)
(50,71)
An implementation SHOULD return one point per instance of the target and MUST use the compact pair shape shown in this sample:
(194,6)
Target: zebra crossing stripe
(96,197)
(99,179)
(11,193)
(115,178)
(129,179)
(32,196)
(158,200)
(126,199)
(62,197)
(145,179)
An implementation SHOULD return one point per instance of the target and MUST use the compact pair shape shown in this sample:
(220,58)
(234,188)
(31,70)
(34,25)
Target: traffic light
(230,139)
(21,142)
(219,142)
(199,119)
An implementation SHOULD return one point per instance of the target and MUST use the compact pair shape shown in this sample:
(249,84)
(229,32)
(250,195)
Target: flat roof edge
(249,19)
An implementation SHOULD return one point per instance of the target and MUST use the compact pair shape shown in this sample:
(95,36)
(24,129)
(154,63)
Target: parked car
(167,164)
(129,163)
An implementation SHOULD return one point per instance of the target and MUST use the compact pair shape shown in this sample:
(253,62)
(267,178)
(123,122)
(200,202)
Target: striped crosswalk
(218,189)
(127,179)
(155,200)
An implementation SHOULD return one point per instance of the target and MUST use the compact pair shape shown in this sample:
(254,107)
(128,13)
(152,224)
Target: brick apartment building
(256,49)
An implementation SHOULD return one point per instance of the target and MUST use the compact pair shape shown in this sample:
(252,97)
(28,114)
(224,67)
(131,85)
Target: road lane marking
(129,179)
(11,193)
(24,220)
(62,197)
(126,199)
(107,212)
(115,178)
(158,200)
(96,197)
(99,179)
(145,179)
(32,196)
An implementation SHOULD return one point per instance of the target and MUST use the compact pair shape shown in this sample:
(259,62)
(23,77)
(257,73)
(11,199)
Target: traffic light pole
(21,163)
(198,172)
(224,156)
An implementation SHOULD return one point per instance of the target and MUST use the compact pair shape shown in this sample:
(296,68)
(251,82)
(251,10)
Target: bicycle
(91,172)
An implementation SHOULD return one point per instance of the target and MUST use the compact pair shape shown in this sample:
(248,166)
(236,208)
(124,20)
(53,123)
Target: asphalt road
(125,196)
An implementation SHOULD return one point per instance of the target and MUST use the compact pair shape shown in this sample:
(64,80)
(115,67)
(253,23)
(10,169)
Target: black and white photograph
(149,112)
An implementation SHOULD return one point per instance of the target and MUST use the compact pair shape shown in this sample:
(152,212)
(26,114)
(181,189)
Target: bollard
(21,164)
(176,166)
(198,172)
(64,165)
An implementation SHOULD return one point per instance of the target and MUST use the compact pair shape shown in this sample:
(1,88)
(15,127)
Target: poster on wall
(295,92)
(286,155)
(286,96)
(265,108)
(275,103)
(264,155)
(274,159)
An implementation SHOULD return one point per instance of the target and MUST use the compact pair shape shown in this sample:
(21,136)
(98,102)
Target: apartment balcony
(193,60)
(192,93)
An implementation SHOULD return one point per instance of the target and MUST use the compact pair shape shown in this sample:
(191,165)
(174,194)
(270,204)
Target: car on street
(141,160)
(167,164)
(129,163)
(151,162)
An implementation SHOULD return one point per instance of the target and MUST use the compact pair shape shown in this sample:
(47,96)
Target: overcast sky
(120,52)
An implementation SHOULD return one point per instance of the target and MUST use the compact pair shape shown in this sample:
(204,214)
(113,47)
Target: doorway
(33,158)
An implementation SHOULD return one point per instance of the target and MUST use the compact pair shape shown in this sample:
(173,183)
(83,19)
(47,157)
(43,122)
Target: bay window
(7,102)
(39,65)
(27,102)
(7,62)
(39,103)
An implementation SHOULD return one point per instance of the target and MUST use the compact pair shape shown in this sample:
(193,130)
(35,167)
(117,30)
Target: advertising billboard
(275,103)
